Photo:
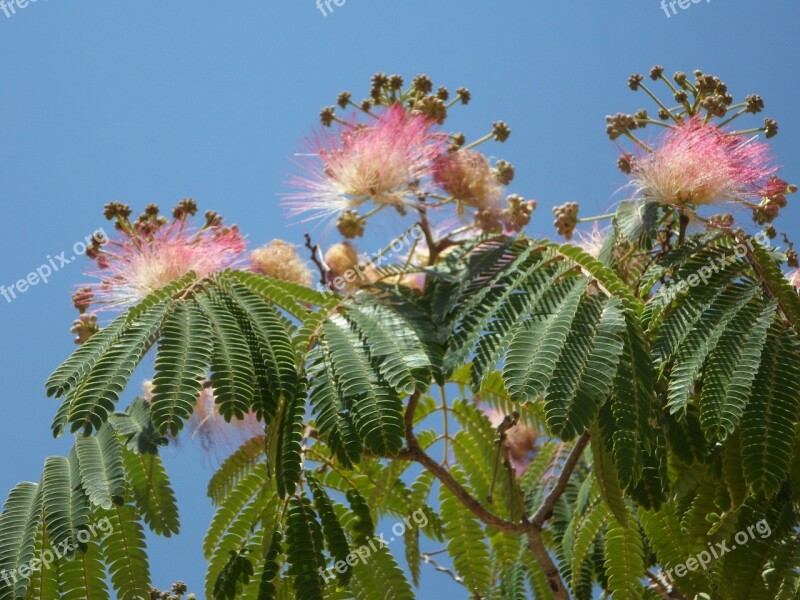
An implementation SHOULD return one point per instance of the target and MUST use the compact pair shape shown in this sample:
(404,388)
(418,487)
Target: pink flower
(794,278)
(520,440)
(147,259)
(214,432)
(385,161)
(592,241)
(700,164)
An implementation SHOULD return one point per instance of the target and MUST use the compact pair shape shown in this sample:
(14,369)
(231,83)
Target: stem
(749,131)
(638,142)
(478,142)
(546,509)
(597,218)
(657,101)
(736,116)
(444,423)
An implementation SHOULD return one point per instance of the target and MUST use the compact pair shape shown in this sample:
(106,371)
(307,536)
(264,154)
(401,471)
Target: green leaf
(731,371)
(152,492)
(465,541)
(19,521)
(304,550)
(770,419)
(94,399)
(537,347)
(624,562)
(124,553)
(100,466)
(232,364)
(238,465)
(376,410)
(335,537)
(184,352)
(273,344)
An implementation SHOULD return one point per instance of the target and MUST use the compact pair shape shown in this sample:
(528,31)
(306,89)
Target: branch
(443,475)
(546,509)
(314,248)
(532,529)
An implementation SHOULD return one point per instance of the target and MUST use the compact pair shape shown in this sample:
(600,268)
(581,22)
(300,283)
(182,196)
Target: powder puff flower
(280,260)
(520,440)
(213,431)
(386,161)
(794,278)
(700,164)
(469,178)
(592,241)
(146,259)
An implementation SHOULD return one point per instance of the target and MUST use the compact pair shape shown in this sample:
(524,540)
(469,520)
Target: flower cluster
(391,153)
(700,161)
(153,251)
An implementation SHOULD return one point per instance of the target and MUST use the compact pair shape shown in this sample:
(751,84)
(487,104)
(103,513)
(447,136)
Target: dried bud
(435,108)
(423,84)
(656,72)
(327,115)
(457,140)
(464,95)
(518,213)
(501,131)
(625,163)
(505,172)
(443,93)
(179,587)
(344,99)
(680,78)
(634,81)
(664,114)
(395,82)
(770,128)
(213,219)
(681,96)
(350,224)
(791,258)
(186,207)
(116,210)
(566,219)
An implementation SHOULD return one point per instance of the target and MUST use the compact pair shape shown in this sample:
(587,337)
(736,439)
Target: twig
(314,248)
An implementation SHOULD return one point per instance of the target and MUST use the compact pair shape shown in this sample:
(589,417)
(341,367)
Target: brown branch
(546,509)
(532,529)
(443,475)
(314,249)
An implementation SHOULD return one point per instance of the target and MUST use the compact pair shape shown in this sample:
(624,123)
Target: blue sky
(155,101)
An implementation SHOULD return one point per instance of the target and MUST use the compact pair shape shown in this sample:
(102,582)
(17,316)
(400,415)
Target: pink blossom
(214,432)
(144,260)
(520,440)
(385,161)
(700,164)
(794,278)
